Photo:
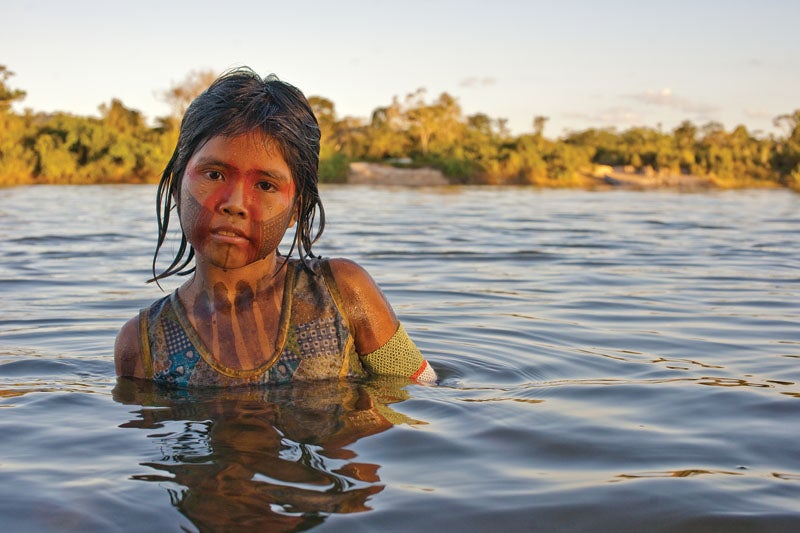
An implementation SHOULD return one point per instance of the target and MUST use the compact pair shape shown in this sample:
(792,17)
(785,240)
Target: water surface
(609,361)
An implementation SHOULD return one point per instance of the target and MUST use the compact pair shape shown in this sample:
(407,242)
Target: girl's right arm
(128,350)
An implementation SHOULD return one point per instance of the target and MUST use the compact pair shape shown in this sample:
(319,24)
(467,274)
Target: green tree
(7,94)
(786,158)
(333,163)
(539,122)
(435,126)
(685,139)
(607,145)
(17,160)
(387,133)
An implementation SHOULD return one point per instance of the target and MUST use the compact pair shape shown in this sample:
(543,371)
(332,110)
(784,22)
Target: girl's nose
(233,201)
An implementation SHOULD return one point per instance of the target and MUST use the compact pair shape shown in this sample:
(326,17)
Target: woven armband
(399,357)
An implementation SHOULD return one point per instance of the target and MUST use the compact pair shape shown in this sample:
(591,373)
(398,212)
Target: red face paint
(237,200)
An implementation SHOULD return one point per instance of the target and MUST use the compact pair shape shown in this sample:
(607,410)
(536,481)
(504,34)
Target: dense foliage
(119,146)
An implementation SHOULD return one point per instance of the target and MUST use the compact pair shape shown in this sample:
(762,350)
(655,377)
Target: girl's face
(237,200)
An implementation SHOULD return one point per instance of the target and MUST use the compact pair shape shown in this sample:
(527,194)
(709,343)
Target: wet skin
(242,331)
(237,200)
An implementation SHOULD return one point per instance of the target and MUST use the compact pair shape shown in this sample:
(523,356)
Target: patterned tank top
(314,340)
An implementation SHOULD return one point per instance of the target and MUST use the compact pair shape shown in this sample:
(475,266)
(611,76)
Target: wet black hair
(236,103)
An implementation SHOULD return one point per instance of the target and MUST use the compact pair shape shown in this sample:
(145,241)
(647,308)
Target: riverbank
(625,178)
(363,173)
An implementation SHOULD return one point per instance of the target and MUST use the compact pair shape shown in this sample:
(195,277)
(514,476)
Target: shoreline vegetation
(415,141)
(601,177)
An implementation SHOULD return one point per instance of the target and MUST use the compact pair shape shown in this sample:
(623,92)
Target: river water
(608,361)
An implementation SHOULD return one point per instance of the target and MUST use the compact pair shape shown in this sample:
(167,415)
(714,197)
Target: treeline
(120,146)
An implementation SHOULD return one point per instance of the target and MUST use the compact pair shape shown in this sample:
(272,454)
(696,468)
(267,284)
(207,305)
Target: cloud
(477,81)
(666,98)
(757,113)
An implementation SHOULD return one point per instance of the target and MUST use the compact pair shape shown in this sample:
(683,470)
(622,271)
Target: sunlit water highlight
(609,361)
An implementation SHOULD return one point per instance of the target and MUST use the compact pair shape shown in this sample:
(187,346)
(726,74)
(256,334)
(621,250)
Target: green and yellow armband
(399,357)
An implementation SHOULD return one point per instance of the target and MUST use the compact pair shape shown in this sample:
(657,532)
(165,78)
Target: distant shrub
(333,169)
(458,170)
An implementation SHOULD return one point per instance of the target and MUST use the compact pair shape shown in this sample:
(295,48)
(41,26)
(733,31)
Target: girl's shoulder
(367,309)
(130,345)
(347,269)
(128,350)
(345,273)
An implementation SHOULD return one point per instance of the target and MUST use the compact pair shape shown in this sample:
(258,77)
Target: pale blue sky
(581,63)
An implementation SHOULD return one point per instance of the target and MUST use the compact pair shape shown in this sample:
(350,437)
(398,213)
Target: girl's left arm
(380,340)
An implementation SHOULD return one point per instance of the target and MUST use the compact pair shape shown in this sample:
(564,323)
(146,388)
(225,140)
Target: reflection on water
(273,460)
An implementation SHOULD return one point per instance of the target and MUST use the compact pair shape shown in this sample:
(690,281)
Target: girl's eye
(266,186)
(214,175)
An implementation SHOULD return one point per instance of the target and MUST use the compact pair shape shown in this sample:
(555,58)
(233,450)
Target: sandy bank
(670,181)
(362,173)
(618,177)
(376,174)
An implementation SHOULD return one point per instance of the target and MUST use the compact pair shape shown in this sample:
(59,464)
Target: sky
(581,63)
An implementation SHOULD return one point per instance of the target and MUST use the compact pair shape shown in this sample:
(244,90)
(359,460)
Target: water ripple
(607,360)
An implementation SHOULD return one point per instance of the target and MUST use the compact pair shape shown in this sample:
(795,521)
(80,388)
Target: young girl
(243,172)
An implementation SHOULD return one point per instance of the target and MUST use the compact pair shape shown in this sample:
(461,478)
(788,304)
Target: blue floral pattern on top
(317,343)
